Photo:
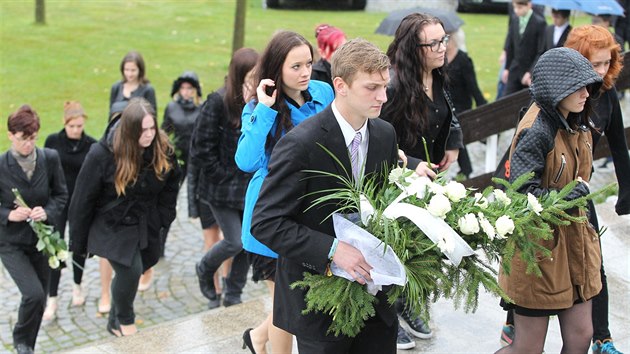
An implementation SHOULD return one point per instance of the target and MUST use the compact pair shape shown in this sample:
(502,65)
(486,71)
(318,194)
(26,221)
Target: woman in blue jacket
(285,97)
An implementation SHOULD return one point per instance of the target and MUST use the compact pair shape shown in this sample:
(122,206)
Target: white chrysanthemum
(468,224)
(455,191)
(62,255)
(533,204)
(486,226)
(439,206)
(504,226)
(53,262)
(502,197)
(396,175)
(481,201)
(446,244)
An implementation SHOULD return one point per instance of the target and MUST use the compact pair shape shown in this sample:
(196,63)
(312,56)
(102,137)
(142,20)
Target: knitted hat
(72,110)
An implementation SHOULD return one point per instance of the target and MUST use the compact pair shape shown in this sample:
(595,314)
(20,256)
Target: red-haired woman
(128,186)
(329,38)
(37,174)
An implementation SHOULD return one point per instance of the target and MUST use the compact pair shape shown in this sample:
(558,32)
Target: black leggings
(124,289)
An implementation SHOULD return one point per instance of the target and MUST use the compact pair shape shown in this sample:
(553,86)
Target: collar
(525,19)
(346,129)
(307,98)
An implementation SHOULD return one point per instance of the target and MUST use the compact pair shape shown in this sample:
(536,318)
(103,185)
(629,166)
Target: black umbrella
(449,18)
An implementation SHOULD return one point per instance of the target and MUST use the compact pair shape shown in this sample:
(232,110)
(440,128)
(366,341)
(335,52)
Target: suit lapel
(333,141)
(40,167)
(15,168)
(375,157)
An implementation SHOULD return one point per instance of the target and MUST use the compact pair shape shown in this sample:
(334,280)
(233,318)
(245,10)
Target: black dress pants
(124,290)
(30,271)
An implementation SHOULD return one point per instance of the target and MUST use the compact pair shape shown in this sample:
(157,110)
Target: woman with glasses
(38,176)
(420,110)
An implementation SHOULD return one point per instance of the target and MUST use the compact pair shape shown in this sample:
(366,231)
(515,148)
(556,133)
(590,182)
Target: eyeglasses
(435,45)
(30,138)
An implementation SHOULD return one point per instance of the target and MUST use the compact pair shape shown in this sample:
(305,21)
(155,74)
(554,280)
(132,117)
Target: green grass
(76,55)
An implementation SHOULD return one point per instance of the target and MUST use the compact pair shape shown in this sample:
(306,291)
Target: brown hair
(243,61)
(270,67)
(590,38)
(24,120)
(127,150)
(357,55)
(134,57)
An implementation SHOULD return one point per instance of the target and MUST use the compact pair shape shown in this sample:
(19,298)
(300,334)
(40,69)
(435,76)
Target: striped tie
(354,155)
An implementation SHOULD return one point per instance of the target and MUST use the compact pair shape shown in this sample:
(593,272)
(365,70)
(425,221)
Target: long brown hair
(134,57)
(243,61)
(590,38)
(270,67)
(408,109)
(127,149)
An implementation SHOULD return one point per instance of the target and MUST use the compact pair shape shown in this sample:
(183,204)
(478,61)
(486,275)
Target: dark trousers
(29,270)
(77,270)
(230,221)
(375,337)
(124,289)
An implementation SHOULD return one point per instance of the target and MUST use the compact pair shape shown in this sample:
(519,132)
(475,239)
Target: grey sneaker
(404,341)
(415,326)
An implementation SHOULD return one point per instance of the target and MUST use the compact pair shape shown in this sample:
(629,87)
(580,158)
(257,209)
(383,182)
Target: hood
(189,77)
(108,136)
(558,73)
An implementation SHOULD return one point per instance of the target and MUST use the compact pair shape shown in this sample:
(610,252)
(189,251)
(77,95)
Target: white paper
(387,269)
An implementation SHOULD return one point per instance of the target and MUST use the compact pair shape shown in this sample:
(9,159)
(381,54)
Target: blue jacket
(257,121)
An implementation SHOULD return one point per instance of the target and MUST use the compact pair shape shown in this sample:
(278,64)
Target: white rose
(481,201)
(468,224)
(533,204)
(504,226)
(502,197)
(436,188)
(62,255)
(418,186)
(53,262)
(486,226)
(439,206)
(455,191)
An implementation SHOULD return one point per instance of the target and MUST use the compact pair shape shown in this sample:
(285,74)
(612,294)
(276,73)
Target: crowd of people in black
(243,151)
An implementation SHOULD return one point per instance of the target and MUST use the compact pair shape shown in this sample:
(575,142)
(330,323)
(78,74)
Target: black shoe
(247,340)
(415,326)
(213,304)
(23,349)
(206,284)
(229,301)
(404,341)
(114,328)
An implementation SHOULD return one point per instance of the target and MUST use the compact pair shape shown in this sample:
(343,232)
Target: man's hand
(351,260)
(526,80)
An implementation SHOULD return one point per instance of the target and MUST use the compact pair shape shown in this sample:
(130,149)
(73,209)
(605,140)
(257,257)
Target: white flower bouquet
(48,240)
(449,240)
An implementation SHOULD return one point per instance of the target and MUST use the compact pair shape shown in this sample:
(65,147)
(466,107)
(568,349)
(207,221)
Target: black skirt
(263,267)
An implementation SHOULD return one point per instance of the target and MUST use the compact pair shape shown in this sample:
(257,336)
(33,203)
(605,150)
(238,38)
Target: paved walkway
(172,314)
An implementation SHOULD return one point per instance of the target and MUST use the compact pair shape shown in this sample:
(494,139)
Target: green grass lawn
(76,55)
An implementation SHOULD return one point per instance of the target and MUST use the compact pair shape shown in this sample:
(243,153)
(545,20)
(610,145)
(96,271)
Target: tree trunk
(239,25)
(40,12)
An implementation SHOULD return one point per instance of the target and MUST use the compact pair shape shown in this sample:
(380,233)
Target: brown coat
(572,271)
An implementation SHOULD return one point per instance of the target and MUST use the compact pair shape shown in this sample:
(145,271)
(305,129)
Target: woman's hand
(38,214)
(424,169)
(261,92)
(450,156)
(402,157)
(19,214)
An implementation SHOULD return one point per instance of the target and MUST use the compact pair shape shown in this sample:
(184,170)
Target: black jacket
(462,85)
(132,220)
(608,118)
(146,91)
(549,37)
(522,51)
(213,147)
(179,119)
(47,188)
(322,72)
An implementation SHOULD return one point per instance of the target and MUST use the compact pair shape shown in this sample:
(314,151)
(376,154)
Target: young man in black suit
(305,239)
(523,46)
(556,34)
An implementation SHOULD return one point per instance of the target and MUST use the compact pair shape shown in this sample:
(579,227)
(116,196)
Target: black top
(179,119)
(71,152)
(462,84)
(322,72)
(609,120)
(146,91)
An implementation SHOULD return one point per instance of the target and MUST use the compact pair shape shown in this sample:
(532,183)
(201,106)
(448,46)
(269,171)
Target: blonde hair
(357,55)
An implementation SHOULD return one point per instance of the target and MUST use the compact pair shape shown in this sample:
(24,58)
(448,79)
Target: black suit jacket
(46,188)
(522,51)
(301,237)
(549,37)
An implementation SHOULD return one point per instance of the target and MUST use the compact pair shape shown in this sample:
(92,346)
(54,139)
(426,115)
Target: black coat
(179,119)
(104,224)
(462,85)
(522,51)
(549,37)
(302,236)
(47,188)
(322,72)
(213,147)
(146,91)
